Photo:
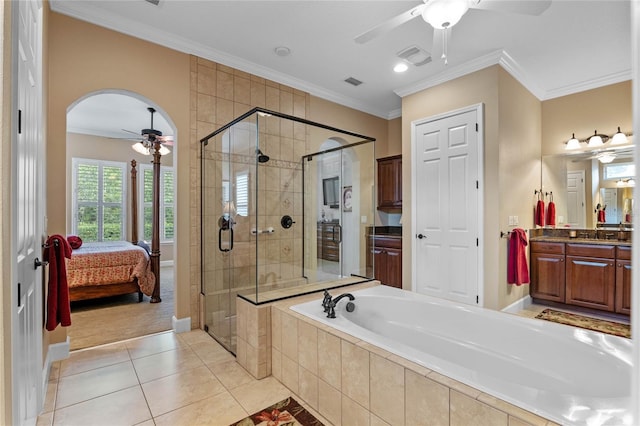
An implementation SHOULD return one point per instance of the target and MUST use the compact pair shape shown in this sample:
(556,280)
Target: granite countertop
(386,231)
(580,241)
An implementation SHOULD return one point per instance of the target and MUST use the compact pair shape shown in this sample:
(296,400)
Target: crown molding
(587,85)
(154,35)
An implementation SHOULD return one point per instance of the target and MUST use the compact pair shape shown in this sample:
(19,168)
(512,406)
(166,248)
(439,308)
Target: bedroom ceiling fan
(444,14)
(149,137)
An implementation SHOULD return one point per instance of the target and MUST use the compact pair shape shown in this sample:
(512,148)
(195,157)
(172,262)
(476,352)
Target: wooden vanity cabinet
(591,276)
(329,241)
(386,255)
(623,280)
(390,183)
(548,271)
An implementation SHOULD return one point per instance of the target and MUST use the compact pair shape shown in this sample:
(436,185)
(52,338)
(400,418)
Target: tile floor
(162,379)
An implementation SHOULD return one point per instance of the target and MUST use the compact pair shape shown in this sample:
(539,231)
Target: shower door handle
(220,240)
(339,229)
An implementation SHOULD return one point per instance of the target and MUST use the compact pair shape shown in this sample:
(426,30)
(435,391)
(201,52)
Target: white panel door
(27,215)
(610,200)
(446,207)
(576,215)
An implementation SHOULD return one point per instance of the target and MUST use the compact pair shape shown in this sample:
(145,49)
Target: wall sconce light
(573,143)
(626,182)
(597,140)
(619,138)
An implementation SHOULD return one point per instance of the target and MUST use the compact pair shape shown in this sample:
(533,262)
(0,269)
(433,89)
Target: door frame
(479,110)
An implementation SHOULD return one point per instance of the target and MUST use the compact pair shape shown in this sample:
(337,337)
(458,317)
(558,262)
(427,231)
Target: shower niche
(264,197)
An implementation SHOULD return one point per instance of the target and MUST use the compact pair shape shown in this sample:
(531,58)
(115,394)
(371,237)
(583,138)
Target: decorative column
(155,230)
(134,202)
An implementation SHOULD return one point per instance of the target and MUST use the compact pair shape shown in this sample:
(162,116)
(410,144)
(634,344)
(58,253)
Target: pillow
(74,241)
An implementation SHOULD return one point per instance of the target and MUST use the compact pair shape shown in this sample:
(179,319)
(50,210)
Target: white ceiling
(574,45)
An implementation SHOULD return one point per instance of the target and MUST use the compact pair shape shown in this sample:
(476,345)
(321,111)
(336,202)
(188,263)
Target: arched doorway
(102,129)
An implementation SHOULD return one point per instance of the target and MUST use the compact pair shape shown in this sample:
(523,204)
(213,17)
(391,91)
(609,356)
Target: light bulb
(442,14)
(140,148)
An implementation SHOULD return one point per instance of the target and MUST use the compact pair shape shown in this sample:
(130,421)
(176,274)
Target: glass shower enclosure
(286,203)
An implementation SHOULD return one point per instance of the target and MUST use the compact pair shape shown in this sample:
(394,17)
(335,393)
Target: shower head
(261,157)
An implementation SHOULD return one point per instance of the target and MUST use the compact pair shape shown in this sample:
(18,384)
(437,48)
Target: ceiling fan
(444,14)
(149,137)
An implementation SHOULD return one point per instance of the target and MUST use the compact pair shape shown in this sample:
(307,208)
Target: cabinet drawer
(388,242)
(591,250)
(623,252)
(550,248)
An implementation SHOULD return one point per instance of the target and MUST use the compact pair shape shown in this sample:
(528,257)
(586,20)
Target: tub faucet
(326,300)
(331,313)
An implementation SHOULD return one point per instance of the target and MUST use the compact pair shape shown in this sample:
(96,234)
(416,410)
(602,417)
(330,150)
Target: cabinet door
(394,267)
(390,183)
(623,287)
(591,282)
(548,276)
(380,265)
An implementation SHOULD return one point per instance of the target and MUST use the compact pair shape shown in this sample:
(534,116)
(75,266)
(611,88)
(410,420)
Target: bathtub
(565,374)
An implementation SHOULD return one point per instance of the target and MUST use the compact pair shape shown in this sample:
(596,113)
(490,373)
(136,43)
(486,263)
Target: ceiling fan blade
(166,140)
(130,131)
(522,7)
(389,24)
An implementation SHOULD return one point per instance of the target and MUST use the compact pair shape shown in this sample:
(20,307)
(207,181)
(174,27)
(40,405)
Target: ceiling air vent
(415,55)
(353,81)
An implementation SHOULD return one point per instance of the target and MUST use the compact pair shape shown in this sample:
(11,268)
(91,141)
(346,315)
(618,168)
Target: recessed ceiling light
(282,51)
(401,67)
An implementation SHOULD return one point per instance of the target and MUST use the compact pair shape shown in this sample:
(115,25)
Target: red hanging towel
(602,216)
(551,214)
(539,219)
(517,267)
(58,307)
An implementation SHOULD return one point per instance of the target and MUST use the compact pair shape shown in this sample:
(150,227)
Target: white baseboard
(181,325)
(56,352)
(518,305)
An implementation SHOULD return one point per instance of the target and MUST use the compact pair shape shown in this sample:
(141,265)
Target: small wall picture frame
(346,199)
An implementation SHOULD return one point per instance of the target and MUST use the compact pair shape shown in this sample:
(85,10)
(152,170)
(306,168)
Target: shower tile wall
(218,95)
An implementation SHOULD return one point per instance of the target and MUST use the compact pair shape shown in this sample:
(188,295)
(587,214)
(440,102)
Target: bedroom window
(99,194)
(167,209)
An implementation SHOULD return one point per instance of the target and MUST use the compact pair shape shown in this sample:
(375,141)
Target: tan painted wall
(519,162)
(84,59)
(99,148)
(394,138)
(511,125)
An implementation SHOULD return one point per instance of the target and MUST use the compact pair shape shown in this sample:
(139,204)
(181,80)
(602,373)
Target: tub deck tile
(454,384)
(374,349)
(512,410)
(410,365)
(469,411)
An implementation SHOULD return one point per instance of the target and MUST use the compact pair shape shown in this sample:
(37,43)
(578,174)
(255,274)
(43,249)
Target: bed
(102,269)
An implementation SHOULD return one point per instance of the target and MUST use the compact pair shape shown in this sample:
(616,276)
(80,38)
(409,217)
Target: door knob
(420,236)
(37,263)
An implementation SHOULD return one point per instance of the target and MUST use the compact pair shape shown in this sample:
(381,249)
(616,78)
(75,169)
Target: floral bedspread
(110,263)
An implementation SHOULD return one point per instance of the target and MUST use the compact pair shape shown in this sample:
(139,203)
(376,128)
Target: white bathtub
(565,374)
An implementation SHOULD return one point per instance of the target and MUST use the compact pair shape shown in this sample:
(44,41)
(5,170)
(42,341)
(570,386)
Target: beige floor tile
(195,336)
(54,371)
(260,394)
(221,409)
(211,352)
(125,407)
(149,422)
(153,344)
(165,363)
(94,383)
(181,389)
(231,374)
(89,359)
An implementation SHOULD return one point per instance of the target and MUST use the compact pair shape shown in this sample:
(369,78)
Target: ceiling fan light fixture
(619,138)
(140,148)
(441,14)
(164,150)
(606,157)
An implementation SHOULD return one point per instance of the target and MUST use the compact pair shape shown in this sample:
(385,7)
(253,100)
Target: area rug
(603,326)
(284,413)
